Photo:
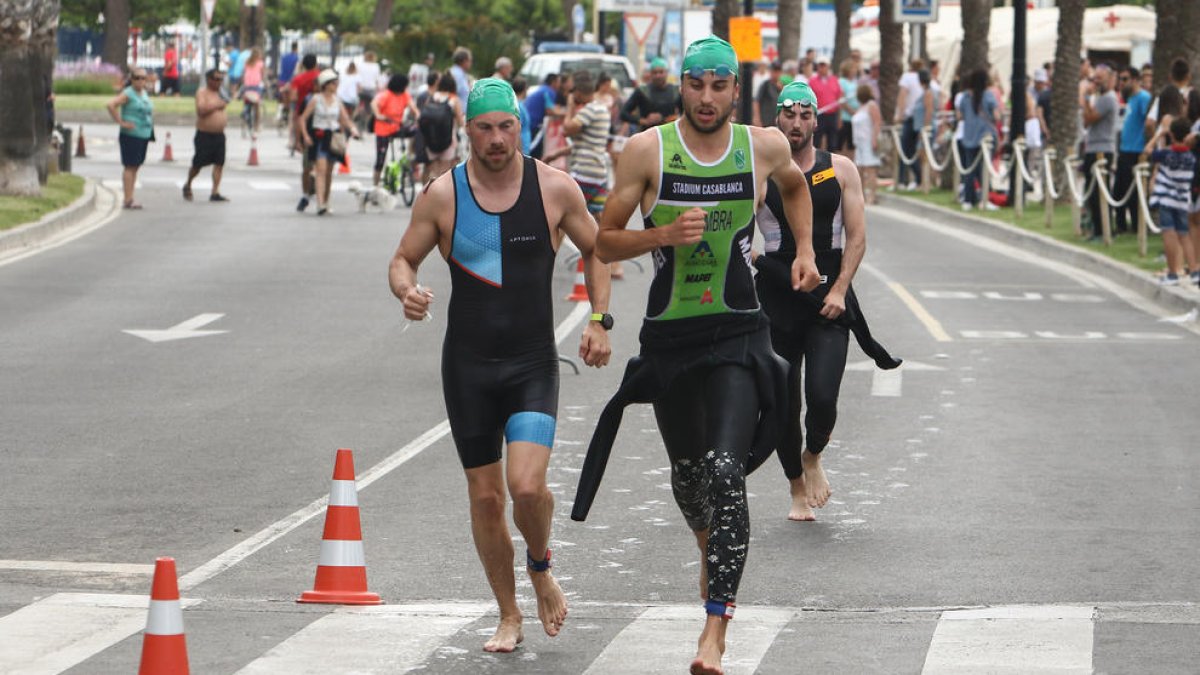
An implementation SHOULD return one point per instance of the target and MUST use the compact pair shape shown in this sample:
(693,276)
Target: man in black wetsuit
(812,329)
(706,359)
(652,104)
(498,219)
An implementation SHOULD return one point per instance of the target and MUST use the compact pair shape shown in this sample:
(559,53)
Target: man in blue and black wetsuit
(811,330)
(706,361)
(498,219)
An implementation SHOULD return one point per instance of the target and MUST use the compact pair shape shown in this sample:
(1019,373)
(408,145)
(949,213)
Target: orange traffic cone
(80,150)
(344,167)
(168,153)
(342,568)
(253,161)
(579,292)
(164,648)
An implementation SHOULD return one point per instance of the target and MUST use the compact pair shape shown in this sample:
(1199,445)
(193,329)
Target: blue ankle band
(537,565)
(718,608)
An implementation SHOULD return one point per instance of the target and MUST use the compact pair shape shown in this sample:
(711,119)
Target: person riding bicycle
(252,90)
(389,109)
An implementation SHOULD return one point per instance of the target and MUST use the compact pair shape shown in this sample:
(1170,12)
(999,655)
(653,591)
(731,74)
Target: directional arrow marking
(890,382)
(180,331)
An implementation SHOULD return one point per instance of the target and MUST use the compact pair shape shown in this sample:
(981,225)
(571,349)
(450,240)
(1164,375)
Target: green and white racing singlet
(712,276)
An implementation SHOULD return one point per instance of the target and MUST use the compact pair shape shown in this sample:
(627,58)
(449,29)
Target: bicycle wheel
(408,186)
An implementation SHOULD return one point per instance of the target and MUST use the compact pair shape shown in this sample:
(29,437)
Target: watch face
(606,321)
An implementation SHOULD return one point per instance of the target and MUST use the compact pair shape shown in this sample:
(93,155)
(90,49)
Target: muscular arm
(771,145)
(854,224)
(579,225)
(422,235)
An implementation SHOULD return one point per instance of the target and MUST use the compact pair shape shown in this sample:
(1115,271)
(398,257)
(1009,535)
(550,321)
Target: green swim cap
(710,53)
(658,62)
(492,94)
(796,93)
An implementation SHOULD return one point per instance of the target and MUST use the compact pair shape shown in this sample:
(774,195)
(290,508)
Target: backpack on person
(437,124)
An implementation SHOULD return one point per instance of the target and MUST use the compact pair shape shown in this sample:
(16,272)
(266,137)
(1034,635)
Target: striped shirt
(1173,181)
(589,151)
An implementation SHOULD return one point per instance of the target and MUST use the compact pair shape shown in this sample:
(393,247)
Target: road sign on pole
(745,34)
(916,11)
(577,19)
(640,25)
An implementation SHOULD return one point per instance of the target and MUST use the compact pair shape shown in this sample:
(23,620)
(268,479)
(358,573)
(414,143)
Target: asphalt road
(1036,450)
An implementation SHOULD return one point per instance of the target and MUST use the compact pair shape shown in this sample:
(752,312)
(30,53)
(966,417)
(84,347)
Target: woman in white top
(348,87)
(865,124)
(328,117)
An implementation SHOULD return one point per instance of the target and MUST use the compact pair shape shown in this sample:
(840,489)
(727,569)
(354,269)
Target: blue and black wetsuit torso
(499,362)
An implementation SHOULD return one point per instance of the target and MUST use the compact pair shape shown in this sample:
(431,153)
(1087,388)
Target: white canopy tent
(1122,28)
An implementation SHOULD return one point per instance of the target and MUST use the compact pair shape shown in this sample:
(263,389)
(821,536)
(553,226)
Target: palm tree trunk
(976,21)
(382,20)
(250,34)
(791,20)
(1175,37)
(116,33)
(843,10)
(891,59)
(26,64)
(1064,89)
(722,10)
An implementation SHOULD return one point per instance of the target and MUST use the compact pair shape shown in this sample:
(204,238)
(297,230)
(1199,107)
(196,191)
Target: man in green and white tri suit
(705,340)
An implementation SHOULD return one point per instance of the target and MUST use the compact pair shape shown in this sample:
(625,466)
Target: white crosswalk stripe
(1032,640)
(65,629)
(348,640)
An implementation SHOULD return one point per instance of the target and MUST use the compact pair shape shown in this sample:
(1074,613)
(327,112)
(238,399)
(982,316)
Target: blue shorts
(133,150)
(1173,219)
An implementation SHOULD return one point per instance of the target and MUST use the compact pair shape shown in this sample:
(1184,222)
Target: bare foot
(552,604)
(816,485)
(508,636)
(711,649)
(800,510)
(702,543)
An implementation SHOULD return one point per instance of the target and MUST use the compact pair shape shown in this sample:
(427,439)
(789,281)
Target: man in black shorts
(498,219)
(210,135)
(811,330)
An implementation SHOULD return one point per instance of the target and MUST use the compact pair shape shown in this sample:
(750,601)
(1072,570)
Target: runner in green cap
(654,103)
(706,361)
(492,94)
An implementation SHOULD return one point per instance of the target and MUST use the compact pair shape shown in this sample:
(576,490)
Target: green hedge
(86,85)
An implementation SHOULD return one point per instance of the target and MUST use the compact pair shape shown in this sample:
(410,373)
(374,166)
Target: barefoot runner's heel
(718,608)
(538,565)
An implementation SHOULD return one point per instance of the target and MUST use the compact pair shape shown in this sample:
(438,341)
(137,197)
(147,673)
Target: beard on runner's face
(494,145)
(708,111)
(798,129)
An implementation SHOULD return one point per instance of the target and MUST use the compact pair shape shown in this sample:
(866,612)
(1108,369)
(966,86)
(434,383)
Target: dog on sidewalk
(375,199)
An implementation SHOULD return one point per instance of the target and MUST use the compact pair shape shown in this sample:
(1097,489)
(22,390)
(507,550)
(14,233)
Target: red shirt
(303,85)
(172,63)
(393,106)
(828,91)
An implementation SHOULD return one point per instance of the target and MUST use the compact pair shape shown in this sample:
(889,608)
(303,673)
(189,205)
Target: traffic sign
(577,17)
(206,10)
(640,25)
(916,11)
(745,34)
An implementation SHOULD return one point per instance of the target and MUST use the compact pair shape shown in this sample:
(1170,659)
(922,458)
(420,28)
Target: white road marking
(890,383)
(1027,640)
(180,331)
(662,640)
(279,528)
(931,324)
(77,567)
(65,629)
(362,640)
(269,185)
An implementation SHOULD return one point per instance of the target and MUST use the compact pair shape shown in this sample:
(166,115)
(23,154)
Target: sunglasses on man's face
(138,77)
(720,71)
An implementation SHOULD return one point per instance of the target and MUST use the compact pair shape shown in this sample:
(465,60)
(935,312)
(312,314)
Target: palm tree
(1064,89)
(722,10)
(791,18)
(382,19)
(843,10)
(27,46)
(891,58)
(116,32)
(976,21)
(1175,37)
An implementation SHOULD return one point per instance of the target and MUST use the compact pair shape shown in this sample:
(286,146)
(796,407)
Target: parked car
(557,57)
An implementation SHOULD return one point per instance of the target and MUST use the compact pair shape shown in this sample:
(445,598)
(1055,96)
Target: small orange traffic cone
(344,167)
(164,648)
(342,568)
(253,161)
(80,150)
(579,292)
(168,153)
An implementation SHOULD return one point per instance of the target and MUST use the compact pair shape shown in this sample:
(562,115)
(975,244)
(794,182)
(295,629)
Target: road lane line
(80,567)
(65,629)
(931,324)
(361,640)
(264,537)
(661,639)
(1024,639)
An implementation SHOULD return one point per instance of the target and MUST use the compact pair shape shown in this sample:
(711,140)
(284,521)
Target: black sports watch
(605,320)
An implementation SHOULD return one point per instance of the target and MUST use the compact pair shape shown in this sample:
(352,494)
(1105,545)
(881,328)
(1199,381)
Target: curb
(1181,299)
(53,225)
